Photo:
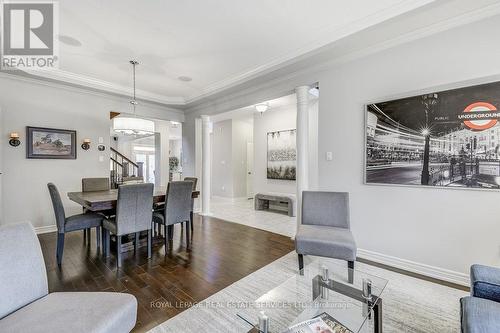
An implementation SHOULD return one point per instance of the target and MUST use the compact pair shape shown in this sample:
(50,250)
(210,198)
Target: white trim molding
(45,229)
(415,267)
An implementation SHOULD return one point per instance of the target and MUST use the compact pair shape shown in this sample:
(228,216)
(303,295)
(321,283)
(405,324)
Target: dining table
(97,201)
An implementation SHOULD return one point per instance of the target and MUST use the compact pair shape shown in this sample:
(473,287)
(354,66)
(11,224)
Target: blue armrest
(485,282)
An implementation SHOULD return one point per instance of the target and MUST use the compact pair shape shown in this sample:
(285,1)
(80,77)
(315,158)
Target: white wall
(443,228)
(30,103)
(222,162)
(283,118)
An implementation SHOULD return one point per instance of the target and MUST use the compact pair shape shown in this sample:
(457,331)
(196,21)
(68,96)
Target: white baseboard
(46,229)
(415,267)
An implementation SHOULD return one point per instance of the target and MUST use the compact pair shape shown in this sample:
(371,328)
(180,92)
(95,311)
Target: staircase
(123,169)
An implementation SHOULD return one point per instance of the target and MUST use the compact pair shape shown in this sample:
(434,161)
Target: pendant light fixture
(133,125)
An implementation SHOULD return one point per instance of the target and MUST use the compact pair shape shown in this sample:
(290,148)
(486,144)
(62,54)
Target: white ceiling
(218,43)
(212,41)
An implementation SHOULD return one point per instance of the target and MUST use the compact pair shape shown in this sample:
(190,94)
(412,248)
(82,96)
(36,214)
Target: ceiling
(217,43)
(211,41)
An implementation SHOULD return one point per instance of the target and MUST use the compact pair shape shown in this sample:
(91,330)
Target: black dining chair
(72,223)
(177,209)
(92,185)
(133,215)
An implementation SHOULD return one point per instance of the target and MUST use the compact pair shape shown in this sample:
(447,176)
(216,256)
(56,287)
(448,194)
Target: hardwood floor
(220,254)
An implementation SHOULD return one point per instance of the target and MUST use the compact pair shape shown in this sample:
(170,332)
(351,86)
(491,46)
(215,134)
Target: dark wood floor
(220,254)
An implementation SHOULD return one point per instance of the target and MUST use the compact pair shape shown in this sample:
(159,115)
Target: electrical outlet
(329,156)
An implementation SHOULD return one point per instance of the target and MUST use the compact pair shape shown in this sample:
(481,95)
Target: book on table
(324,323)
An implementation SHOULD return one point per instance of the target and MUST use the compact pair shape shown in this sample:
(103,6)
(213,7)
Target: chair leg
(136,242)
(166,237)
(84,235)
(171,232)
(103,240)
(149,243)
(60,248)
(119,251)
(350,271)
(89,235)
(98,237)
(187,234)
(191,221)
(301,262)
(108,244)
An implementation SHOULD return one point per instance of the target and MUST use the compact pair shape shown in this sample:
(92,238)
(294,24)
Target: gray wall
(31,103)
(431,230)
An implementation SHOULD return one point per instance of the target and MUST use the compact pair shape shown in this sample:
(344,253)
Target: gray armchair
(480,312)
(325,228)
(72,223)
(133,215)
(26,305)
(178,203)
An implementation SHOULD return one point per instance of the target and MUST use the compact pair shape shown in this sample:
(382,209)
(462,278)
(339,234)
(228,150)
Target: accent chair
(325,228)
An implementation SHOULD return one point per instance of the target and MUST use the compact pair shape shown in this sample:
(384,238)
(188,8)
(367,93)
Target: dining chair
(325,228)
(177,209)
(194,180)
(67,224)
(133,215)
(92,185)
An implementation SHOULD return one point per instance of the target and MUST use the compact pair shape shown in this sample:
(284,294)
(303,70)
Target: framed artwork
(444,139)
(281,155)
(50,143)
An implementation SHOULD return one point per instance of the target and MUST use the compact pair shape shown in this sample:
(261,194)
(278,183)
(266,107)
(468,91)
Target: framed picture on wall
(281,155)
(443,139)
(50,143)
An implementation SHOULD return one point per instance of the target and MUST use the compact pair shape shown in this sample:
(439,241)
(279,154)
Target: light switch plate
(101,139)
(101,158)
(329,156)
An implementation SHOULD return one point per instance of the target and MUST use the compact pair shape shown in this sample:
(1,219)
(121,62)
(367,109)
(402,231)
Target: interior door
(249,170)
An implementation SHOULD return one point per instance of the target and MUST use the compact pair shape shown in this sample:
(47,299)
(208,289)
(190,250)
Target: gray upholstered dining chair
(92,185)
(177,209)
(133,215)
(325,228)
(27,306)
(194,180)
(72,223)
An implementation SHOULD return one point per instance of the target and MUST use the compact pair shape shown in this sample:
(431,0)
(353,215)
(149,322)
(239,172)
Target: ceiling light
(262,107)
(68,40)
(185,78)
(133,125)
(314,91)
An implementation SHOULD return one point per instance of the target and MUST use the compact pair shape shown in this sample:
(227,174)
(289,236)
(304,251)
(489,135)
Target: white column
(206,172)
(302,171)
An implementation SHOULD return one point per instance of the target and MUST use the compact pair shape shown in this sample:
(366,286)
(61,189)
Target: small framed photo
(50,143)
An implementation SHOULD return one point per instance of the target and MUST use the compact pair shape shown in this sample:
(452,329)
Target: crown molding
(90,82)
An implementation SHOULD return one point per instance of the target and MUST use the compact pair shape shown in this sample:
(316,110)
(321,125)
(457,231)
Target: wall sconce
(86,144)
(14,139)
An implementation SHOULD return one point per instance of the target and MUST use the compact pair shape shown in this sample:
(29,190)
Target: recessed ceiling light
(185,78)
(68,40)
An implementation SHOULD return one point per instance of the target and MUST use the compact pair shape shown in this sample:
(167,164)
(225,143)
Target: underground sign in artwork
(449,138)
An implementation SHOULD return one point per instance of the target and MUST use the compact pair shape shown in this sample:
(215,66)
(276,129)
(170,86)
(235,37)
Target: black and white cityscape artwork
(449,138)
(281,155)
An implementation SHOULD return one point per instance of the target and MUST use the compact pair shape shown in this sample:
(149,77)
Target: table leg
(377,318)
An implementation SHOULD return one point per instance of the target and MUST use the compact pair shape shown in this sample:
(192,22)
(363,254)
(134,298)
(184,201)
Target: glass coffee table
(324,288)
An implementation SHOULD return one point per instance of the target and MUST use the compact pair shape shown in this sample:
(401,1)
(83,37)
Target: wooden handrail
(123,157)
